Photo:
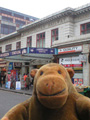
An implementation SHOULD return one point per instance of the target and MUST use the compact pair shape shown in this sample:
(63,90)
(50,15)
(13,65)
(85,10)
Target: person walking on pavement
(12,86)
(0,79)
(25,77)
(27,82)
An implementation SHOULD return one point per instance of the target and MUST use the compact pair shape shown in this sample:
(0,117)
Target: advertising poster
(13,74)
(70,62)
(9,77)
(80,81)
(9,84)
(18,85)
(76,81)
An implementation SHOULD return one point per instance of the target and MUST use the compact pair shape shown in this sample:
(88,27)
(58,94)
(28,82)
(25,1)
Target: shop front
(23,60)
(70,58)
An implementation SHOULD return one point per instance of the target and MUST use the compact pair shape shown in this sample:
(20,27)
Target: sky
(41,8)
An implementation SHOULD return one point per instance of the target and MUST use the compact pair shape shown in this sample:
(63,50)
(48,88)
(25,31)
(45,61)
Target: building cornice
(9,36)
(65,12)
(82,9)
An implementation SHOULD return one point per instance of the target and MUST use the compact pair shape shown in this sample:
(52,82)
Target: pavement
(21,91)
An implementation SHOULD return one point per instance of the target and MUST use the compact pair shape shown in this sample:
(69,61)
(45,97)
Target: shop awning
(3,63)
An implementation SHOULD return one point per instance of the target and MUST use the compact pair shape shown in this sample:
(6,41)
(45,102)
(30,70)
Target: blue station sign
(28,51)
(42,50)
(14,52)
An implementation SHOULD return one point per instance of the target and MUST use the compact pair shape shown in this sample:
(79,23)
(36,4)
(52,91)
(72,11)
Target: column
(86,66)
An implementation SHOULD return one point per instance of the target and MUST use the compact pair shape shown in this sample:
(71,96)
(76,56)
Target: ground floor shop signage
(31,50)
(17,64)
(70,62)
(70,49)
(76,64)
(42,50)
(14,52)
(6,54)
(18,52)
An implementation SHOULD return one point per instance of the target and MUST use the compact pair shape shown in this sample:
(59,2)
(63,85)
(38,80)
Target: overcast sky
(41,8)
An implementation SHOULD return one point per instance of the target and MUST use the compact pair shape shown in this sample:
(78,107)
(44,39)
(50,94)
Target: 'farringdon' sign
(70,49)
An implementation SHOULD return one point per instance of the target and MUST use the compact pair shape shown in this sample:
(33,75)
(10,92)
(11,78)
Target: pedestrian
(25,77)
(27,82)
(0,79)
(12,86)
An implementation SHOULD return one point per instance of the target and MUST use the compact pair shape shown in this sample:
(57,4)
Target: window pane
(41,43)
(18,45)
(28,40)
(8,47)
(88,31)
(37,43)
(53,32)
(56,37)
(30,43)
(40,36)
(43,35)
(88,26)
(41,40)
(37,36)
(83,32)
(83,27)
(6,30)
(57,32)
(53,39)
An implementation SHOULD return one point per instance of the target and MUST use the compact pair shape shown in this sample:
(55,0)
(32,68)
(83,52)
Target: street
(9,99)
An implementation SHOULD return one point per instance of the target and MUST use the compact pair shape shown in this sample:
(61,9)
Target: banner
(18,85)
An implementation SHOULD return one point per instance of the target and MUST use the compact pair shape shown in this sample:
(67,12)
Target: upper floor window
(29,41)
(85,28)
(19,16)
(6,12)
(6,29)
(7,19)
(18,45)
(54,35)
(8,47)
(40,40)
(0,49)
(21,23)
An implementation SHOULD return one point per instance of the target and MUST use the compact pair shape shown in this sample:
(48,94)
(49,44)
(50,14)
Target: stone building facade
(68,31)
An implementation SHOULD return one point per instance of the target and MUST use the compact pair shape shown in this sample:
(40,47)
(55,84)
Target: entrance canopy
(32,55)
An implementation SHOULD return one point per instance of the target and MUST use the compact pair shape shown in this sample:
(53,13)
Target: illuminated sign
(70,49)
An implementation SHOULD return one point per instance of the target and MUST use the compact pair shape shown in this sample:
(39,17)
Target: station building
(68,31)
